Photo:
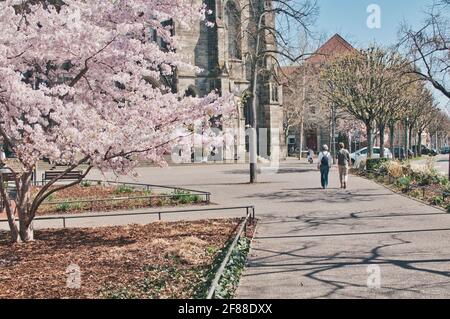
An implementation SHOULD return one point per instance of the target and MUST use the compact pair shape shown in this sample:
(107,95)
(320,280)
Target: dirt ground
(158,260)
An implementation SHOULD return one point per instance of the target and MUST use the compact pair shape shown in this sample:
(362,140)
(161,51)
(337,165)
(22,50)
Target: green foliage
(124,189)
(110,292)
(232,274)
(85,184)
(76,206)
(415,193)
(427,178)
(63,207)
(443,180)
(404,183)
(437,200)
(211,250)
(374,164)
(184,197)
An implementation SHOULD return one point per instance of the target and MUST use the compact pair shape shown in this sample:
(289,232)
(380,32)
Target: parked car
(399,152)
(425,151)
(361,154)
(445,150)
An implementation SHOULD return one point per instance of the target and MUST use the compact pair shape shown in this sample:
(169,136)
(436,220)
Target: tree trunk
(369,140)
(381,129)
(406,154)
(419,143)
(23,202)
(391,138)
(410,129)
(253,148)
(333,134)
(300,148)
(286,140)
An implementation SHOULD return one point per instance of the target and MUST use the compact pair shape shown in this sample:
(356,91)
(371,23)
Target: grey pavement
(440,163)
(314,243)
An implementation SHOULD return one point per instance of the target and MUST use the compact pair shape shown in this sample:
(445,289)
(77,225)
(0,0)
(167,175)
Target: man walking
(343,157)
(325,161)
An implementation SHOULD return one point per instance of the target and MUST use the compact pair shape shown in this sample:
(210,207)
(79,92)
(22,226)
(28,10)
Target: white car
(361,154)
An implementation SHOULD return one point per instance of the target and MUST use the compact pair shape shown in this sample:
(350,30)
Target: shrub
(85,184)
(394,168)
(437,200)
(426,178)
(76,206)
(374,164)
(415,193)
(443,180)
(184,197)
(404,183)
(63,207)
(124,189)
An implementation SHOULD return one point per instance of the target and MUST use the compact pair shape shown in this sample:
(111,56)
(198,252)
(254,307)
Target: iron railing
(242,230)
(250,210)
(177,192)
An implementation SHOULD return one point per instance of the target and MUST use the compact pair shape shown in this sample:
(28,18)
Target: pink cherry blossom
(80,84)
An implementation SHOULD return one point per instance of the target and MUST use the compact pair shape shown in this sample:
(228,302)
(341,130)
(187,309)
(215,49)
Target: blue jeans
(324,170)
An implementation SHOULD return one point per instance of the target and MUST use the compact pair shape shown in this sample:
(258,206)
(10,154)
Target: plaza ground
(312,243)
(440,163)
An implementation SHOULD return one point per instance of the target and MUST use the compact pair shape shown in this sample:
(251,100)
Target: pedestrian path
(314,243)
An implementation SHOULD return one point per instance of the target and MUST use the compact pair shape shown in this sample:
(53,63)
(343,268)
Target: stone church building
(222,51)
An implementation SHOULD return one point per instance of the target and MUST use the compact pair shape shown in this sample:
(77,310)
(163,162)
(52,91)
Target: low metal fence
(250,210)
(242,230)
(157,193)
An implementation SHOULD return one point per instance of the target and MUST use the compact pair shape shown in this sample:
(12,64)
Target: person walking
(343,157)
(325,161)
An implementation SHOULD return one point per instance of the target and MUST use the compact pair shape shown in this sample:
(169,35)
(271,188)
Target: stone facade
(220,51)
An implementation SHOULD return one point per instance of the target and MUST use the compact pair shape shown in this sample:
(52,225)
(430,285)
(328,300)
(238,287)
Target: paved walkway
(440,163)
(312,243)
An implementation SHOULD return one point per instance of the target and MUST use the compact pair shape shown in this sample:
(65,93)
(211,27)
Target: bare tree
(429,47)
(365,85)
(301,102)
(271,23)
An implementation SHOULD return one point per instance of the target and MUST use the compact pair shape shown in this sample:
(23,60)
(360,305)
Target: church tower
(222,52)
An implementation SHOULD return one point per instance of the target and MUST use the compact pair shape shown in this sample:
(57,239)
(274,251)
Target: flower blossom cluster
(83,80)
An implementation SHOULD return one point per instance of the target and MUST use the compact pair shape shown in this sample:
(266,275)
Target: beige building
(221,52)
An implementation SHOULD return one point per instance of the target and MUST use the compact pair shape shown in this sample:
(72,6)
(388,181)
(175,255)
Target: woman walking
(325,161)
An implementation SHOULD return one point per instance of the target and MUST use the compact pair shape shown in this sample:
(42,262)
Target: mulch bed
(79,192)
(158,260)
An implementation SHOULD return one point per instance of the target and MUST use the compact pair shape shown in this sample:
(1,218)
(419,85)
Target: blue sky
(349,19)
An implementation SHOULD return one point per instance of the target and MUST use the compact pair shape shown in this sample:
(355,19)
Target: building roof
(335,46)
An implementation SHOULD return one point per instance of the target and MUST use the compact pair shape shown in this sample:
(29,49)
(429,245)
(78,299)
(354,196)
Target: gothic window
(154,37)
(233,21)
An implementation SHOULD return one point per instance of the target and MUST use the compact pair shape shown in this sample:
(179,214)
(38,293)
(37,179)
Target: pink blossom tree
(80,85)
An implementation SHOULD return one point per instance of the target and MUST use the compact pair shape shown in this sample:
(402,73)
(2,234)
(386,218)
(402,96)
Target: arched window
(233,23)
